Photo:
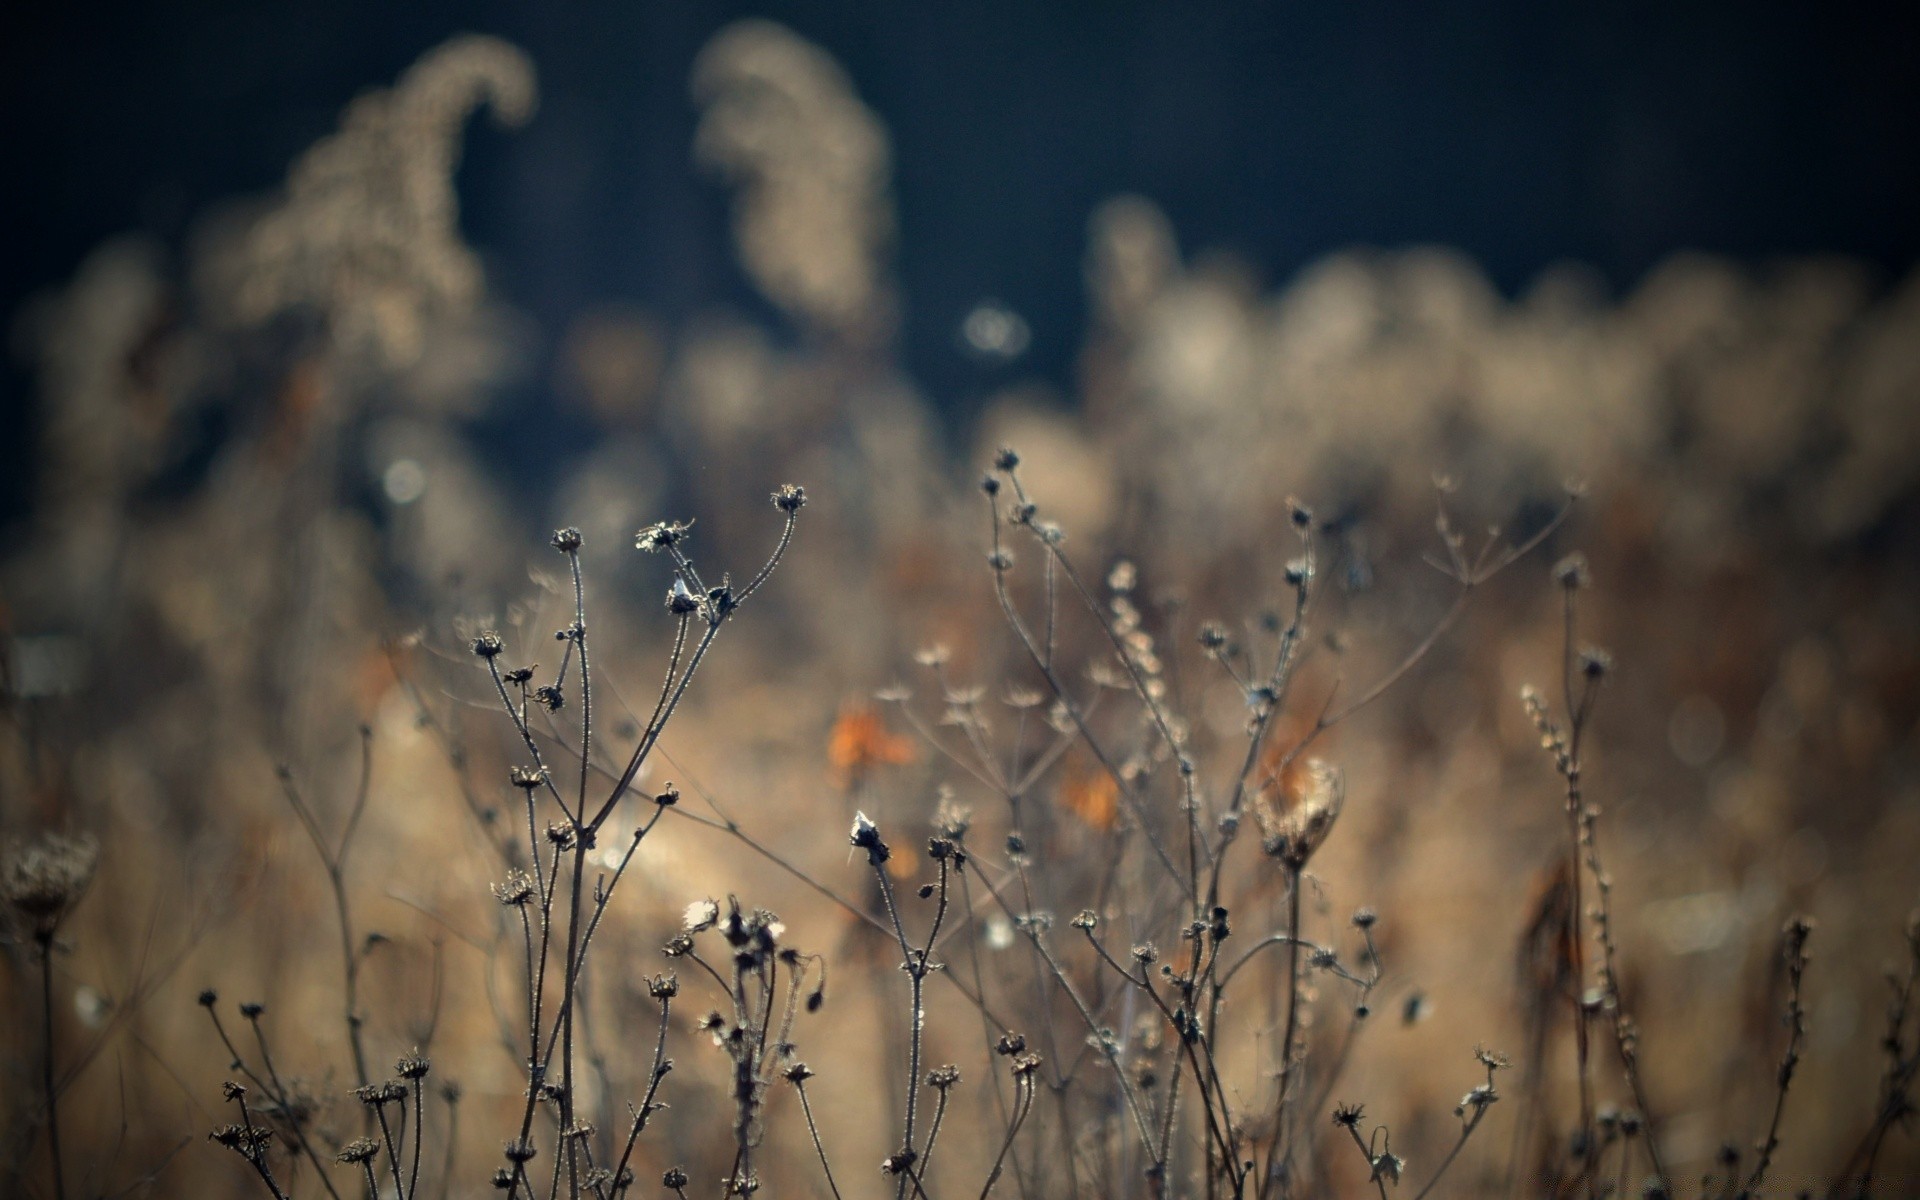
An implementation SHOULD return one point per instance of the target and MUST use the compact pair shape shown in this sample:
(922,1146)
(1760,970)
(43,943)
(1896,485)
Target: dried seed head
(674,1177)
(518,888)
(413,1066)
(359,1150)
(1294,835)
(866,836)
(799,1073)
(488,645)
(658,537)
(1349,1115)
(43,879)
(1006,459)
(567,541)
(791,498)
(1571,572)
(520,1151)
(549,697)
(681,601)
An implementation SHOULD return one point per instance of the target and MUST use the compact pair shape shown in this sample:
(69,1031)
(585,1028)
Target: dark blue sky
(1522,133)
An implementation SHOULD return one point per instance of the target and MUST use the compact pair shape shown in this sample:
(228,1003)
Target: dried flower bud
(359,1150)
(566,541)
(866,836)
(1571,572)
(517,890)
(658,537)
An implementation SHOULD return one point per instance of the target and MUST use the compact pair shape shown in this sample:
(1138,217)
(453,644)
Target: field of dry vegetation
(1379,737)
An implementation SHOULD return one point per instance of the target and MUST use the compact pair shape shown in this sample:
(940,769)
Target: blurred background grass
(298,390)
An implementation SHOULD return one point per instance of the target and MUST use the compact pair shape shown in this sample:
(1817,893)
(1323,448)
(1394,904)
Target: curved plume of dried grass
(812,216)
(367,230)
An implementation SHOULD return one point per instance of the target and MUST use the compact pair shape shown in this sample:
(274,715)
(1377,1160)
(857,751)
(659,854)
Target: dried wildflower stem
(518,715)
(393,1147)
(568,541)
(987,1025)
(1794,952)
(334,861)
(44,939)
(1279,1146)
(1366,1153)
(1469,1124)
(1220,1127)
(1578,708)
(813,1129)
(1073,709)
(255,1145)
(1023,1090)
(1127,1090)
(419,1136)
(282,1097)
(715,610)
(661,1065)
(1056,555)
(1895,1103)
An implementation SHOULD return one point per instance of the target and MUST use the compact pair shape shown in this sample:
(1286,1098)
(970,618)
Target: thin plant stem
(45,939)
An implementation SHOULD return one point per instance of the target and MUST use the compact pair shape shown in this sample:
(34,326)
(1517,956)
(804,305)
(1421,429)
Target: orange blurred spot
(860,741)
(903,867)
(1091,794)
